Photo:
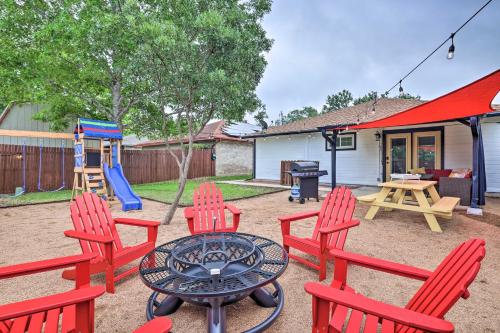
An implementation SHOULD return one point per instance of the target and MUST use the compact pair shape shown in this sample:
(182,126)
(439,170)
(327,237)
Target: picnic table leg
(434,194)
(395,198)
(430,218)
(380,198)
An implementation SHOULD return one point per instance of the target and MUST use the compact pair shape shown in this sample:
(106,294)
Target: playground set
(93,170)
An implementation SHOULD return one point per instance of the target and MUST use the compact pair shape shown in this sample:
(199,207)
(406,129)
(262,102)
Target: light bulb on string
(400,88)
(451,50)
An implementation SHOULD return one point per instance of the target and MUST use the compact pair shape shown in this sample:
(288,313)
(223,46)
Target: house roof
(211,132)
(347,116)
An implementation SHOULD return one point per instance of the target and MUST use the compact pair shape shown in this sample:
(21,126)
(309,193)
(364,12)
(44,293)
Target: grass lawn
(162,191)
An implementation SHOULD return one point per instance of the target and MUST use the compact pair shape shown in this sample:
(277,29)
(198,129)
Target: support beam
(332,140)
(33,134)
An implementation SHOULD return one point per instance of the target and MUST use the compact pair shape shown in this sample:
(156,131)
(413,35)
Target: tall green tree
(77,57)
(372,95)
(298,114)
(339,100)
(260,117)
(205,59)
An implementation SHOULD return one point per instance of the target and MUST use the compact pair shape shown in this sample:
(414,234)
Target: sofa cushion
(461,173)
(438,173)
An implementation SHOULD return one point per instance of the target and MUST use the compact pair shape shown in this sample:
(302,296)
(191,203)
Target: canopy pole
(333,143)
(478,165)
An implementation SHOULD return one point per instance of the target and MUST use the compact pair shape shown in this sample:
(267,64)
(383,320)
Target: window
(345,141)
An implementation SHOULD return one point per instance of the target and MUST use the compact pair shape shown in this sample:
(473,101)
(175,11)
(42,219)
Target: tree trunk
(183,174)
(116,99)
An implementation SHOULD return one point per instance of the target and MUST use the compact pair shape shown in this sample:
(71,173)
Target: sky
(323,46)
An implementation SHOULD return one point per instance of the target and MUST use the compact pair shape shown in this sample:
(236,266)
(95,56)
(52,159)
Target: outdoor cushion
(417,171)
(461,173)
(438,173)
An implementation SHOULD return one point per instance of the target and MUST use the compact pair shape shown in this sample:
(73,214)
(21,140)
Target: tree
(298,114)
(337,101)
(372,95)
(409,96)
(77,58)
(205,60)
(260,117)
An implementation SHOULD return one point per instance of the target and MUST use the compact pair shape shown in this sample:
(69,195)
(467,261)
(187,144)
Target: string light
(451,50)
(400,88)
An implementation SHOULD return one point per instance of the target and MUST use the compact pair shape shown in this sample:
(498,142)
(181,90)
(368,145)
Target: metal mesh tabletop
(213,264)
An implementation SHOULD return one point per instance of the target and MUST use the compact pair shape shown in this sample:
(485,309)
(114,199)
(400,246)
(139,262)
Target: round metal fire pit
(214,270)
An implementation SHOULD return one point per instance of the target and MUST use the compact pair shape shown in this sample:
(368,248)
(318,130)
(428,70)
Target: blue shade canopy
(98,129)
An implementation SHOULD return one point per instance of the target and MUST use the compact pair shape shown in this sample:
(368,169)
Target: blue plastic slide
(122,188)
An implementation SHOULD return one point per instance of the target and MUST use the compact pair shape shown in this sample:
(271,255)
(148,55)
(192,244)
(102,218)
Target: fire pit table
(214,270)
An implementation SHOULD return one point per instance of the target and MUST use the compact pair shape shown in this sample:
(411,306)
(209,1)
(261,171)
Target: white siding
(362,166)
(358,166)
(457,147)
(491,141)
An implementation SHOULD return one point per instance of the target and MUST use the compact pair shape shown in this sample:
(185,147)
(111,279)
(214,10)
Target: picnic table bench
(393,195)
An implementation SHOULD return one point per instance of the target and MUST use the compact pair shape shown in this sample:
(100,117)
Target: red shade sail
(471,100)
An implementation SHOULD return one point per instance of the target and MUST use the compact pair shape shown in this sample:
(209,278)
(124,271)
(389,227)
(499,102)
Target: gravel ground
(36,232)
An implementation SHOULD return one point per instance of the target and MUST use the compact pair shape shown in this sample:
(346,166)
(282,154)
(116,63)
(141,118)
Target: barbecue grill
(214,270)
(305,182)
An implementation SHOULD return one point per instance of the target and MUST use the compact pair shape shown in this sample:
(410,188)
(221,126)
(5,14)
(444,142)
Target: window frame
(354,140)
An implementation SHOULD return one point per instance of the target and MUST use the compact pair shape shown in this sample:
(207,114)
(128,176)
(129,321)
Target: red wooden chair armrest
(136,222)
(339,227)
(46,303)
(382,265)
(189,212)
(298,216)
(157,325)
(379,309)
(43,266)
(88,237)
(232,209)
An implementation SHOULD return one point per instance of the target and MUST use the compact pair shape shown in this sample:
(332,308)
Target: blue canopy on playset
(92,128)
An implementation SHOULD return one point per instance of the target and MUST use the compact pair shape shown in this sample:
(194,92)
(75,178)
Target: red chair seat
(209,208)
(330,232)
(96,231)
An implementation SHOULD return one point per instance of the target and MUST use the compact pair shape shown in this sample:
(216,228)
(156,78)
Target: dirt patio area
(36,232)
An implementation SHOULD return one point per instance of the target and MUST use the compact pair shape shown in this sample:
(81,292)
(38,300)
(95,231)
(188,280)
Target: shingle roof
(347,116)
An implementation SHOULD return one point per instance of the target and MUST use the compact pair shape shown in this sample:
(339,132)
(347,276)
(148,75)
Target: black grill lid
(304,166)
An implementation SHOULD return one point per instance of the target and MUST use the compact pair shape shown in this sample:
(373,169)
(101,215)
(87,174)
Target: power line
(436,49)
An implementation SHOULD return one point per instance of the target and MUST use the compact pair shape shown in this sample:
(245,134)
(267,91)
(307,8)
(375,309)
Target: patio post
(478,165)
(332,140)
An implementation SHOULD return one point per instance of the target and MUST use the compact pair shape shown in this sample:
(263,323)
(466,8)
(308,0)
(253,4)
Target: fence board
(286,178)
(139,166)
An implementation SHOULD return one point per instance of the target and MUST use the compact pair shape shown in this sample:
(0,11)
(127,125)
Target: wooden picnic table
(393,196)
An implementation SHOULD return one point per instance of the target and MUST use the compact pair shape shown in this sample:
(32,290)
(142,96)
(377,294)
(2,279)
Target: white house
(368,156)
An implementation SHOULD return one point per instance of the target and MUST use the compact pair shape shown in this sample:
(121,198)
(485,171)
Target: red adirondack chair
(330,232)
(423,313)
(96,231)
(71,311)
(209,207)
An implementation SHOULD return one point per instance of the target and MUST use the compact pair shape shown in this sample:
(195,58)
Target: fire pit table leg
(279,301)
(216,316)
(156,308)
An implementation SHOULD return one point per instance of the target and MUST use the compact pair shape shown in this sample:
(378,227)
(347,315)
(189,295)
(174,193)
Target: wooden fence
(286,178)
(139,166)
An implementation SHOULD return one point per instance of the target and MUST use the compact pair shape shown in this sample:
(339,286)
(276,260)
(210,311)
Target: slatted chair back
(207,205)
(337,208)
(449,281)
(90,214)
